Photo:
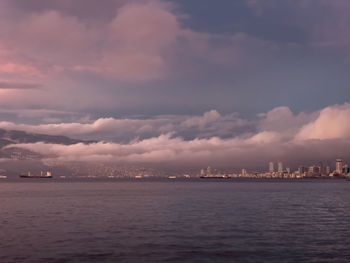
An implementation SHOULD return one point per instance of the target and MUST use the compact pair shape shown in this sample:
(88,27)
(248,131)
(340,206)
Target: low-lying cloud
(166,151)
(210,124)
(276,135)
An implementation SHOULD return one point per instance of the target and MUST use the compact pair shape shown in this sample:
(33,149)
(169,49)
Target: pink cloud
(21,69)
(147,27)
(134,66)
(332,123)
(53,37)
(141,43)
(130,47)
(138,38)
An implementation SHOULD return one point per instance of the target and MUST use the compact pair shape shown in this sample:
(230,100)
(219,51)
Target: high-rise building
(328,170)
(208,170)
(280,167)
(271,168)
(320,164)
(244,172)
(288,170)
(338,166)
(303,170)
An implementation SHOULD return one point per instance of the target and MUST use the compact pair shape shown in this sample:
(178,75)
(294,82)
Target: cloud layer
(277,135)
(157,57)
(209,124)
(139,43)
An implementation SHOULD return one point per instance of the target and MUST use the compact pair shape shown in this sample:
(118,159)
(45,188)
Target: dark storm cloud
(208,125)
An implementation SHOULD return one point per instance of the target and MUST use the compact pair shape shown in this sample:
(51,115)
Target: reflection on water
(175,221)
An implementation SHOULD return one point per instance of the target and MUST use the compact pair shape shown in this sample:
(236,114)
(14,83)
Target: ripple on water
(175,221)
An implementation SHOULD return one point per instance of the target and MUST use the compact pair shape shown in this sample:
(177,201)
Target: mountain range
(13,137)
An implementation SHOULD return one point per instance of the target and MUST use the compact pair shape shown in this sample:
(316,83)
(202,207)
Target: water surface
(175,221)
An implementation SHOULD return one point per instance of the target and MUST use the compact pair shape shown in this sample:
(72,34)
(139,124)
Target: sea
(173,220)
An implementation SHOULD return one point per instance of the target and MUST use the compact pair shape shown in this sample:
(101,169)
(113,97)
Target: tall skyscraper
(320,164)
(271,168)
(338,166)
(328,170)
(244,172)
(280,167)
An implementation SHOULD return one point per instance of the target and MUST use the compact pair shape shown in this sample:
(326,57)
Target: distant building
(338,166)
(302,170)
(314,171)
(328,170)
(271,167)
(208,170)
(280,167)
(244,172)
(288,170)
(320,164)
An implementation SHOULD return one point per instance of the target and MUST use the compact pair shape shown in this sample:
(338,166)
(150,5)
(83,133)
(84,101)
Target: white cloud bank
(279,135)
(332,123)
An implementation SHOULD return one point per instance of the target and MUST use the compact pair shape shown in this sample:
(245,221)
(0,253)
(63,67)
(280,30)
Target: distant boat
(218,176)
(3,176)
(171,177)
(41,175)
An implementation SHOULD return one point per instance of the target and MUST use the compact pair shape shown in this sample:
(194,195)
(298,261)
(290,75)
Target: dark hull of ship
(34,176)
(215,177)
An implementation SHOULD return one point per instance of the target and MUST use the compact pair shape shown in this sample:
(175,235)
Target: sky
(201,82)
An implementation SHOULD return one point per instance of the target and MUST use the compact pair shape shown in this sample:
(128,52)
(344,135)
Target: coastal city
(314,171)
(274,170)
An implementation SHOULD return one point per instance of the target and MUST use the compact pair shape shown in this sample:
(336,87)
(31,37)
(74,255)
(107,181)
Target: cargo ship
(41,175)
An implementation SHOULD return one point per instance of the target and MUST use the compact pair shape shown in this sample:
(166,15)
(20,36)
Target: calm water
(175,221)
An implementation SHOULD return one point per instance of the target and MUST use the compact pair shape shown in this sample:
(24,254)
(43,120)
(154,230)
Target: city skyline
(303,171)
